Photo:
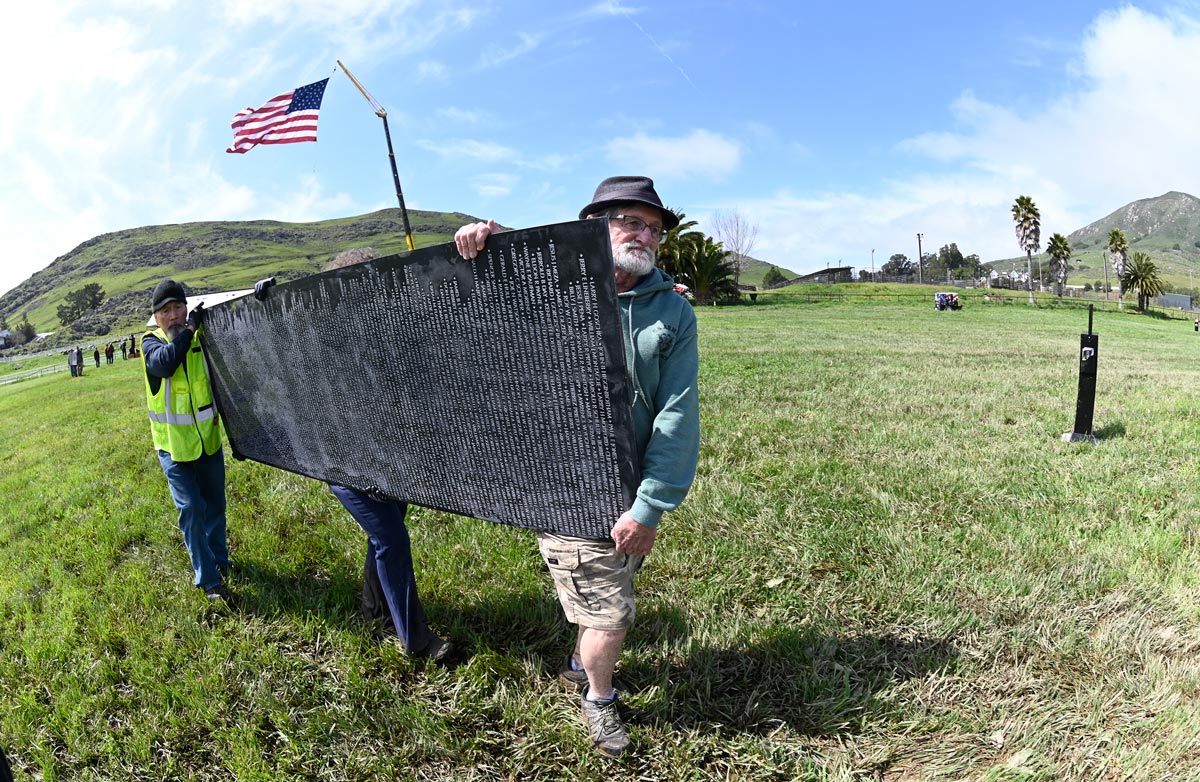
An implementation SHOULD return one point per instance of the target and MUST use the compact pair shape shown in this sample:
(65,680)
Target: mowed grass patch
(890,568)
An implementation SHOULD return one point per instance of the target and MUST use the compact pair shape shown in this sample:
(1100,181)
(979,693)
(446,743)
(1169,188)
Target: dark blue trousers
(198,488)
(384,524)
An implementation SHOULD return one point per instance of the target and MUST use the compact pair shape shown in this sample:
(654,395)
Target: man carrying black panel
(594,578)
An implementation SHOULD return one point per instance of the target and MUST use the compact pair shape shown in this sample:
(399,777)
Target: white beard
(633,259)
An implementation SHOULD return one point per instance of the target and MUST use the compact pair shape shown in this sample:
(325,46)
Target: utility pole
(919,256)
(1104,263)
(873,266)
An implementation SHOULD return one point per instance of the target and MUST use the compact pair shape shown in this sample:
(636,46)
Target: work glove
(377,494)
(196,317)
(261,287)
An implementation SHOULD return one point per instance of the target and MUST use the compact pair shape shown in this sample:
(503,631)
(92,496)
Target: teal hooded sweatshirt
(659,330)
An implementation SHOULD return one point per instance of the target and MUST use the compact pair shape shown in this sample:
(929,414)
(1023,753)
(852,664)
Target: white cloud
(1126,131)
(494,185)
(466,116)
(431,69)
(350,14)
(307,203)
(700,153)
(609,8)
(468,149)
(495,56)
(355,30)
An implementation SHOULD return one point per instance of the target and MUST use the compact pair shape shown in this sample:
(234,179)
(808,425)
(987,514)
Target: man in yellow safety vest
(186,432)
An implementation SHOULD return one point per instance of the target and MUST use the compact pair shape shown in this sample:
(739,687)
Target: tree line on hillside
(1139,273)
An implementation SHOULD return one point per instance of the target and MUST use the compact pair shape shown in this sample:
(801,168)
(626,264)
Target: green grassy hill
(218,256)
(754,271)
(207,256)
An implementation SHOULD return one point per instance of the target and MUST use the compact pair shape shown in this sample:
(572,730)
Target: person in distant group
(185,428)
(96,354)
(124,351)
(594,578)
(79,359)
(71,361)
(108,353)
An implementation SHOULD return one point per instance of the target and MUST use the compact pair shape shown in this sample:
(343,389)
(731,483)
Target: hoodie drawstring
(633,376)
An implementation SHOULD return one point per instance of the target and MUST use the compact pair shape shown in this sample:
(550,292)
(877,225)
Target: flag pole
(382,114)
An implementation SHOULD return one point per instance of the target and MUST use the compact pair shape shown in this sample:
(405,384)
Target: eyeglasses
(634,225)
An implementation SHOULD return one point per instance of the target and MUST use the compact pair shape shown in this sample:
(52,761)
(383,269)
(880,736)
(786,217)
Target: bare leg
(599,650)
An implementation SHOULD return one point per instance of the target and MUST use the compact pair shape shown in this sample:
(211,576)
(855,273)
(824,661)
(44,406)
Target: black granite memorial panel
(494,388)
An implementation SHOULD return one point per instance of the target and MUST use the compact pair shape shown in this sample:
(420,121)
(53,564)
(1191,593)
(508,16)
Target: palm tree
(1142,276)
(670,248)
(1029,233)
(698,262)
(1060,252)
(706,268)
(1118,250)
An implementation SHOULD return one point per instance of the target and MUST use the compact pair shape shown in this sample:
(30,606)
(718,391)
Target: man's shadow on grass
(815,684)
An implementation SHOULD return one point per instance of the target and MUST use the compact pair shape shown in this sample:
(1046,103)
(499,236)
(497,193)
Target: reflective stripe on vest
(182,411)
(206,413)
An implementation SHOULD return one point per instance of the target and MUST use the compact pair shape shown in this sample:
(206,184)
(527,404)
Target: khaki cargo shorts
(594,582)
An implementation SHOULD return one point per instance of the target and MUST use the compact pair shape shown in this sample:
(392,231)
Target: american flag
(286,119)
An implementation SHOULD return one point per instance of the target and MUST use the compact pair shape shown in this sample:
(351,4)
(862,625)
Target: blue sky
(836,128)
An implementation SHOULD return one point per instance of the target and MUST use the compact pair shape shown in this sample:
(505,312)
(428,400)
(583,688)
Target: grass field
(890,568)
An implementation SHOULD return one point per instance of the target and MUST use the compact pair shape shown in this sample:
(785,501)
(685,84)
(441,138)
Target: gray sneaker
(604,725)
(569,677)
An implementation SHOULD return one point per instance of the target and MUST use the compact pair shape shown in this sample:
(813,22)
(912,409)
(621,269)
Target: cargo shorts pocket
(570,581)
(561,561)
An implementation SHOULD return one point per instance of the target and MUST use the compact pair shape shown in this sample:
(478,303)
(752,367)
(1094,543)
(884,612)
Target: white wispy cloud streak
(495,56)
(487,151)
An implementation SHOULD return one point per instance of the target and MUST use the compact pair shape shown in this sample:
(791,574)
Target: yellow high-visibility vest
(183,415)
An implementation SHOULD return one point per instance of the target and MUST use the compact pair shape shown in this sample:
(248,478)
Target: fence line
(982,297)
(29,374)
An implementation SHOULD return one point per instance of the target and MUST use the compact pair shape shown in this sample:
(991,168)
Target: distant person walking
(96,353)
(71,361)
(186,431)
(108,353)
(124,351)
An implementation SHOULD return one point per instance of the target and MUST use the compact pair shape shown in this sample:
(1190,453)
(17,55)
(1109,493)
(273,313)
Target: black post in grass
(1085,403)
